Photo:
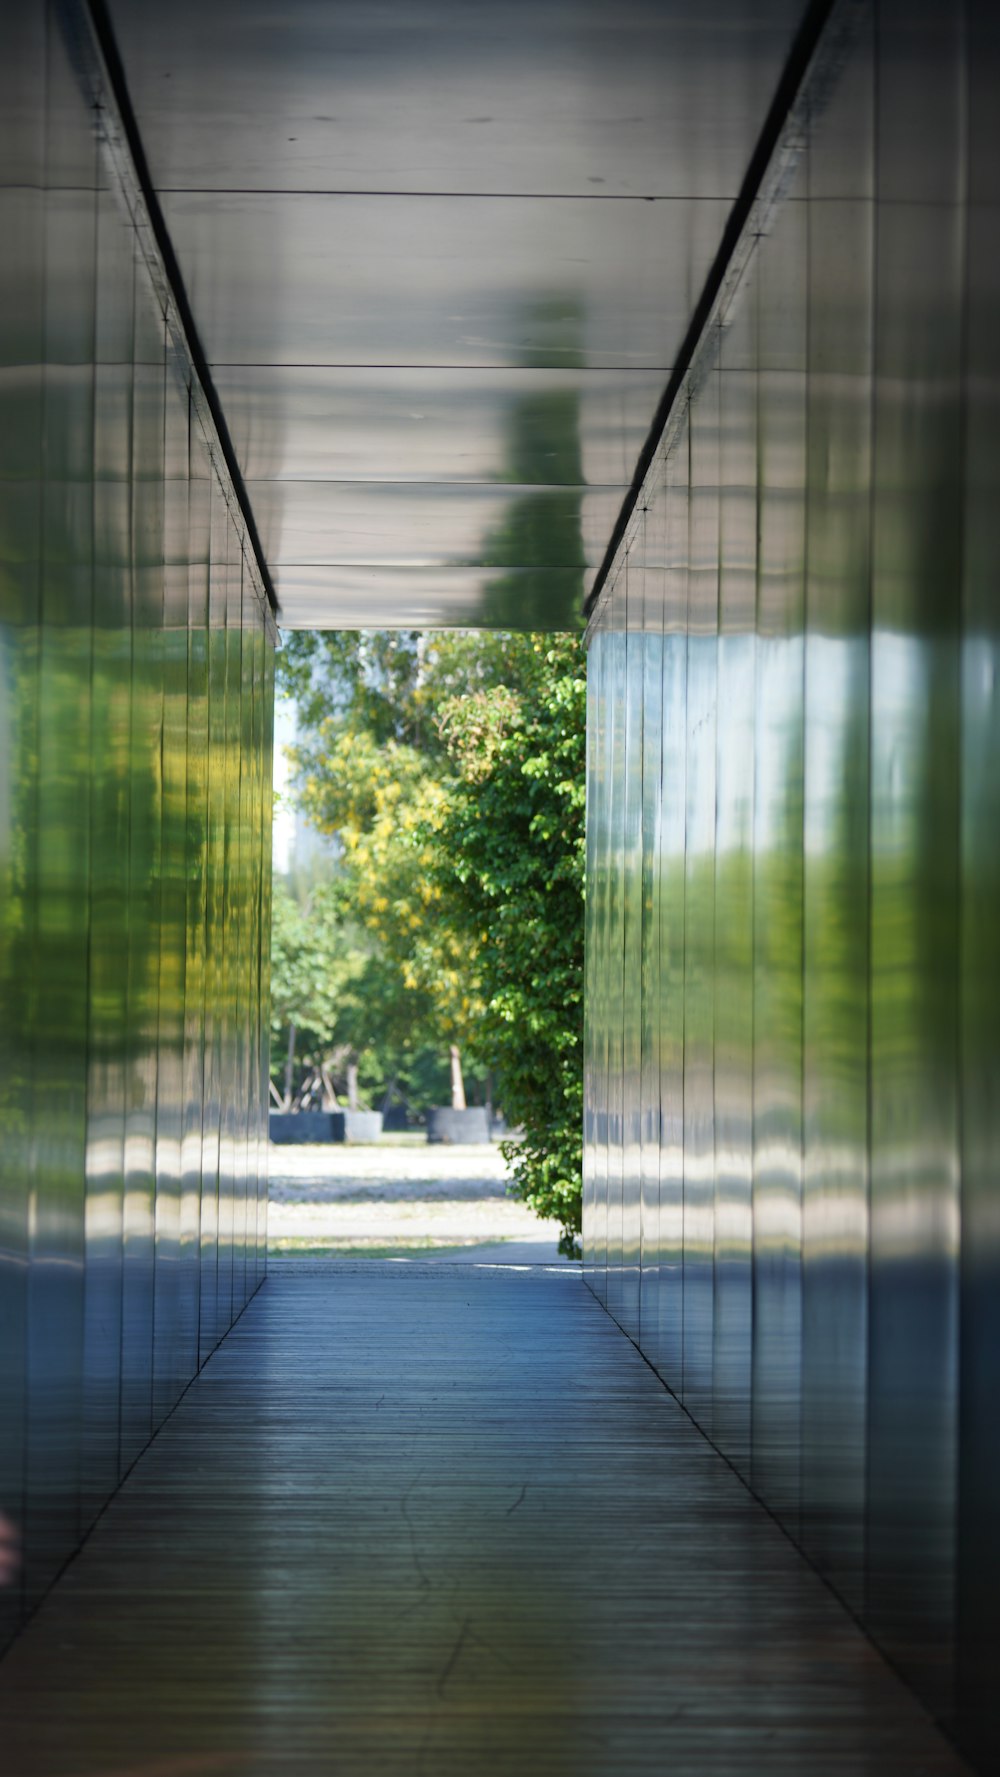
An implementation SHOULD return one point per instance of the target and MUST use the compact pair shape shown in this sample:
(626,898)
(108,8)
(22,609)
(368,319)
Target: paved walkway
(443,1521)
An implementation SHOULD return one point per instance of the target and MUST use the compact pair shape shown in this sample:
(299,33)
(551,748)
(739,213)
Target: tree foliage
(348,1004)
(511,852)
(311,966)
(451,769)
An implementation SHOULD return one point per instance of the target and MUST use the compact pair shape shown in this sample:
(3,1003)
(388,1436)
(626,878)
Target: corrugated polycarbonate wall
(135,792)
(792,1155)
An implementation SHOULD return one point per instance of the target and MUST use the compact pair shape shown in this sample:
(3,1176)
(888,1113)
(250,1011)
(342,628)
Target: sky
(283,839)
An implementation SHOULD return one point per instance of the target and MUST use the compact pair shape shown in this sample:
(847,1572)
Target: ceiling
(441,258)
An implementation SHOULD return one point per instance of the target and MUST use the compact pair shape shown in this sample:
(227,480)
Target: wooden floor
(443,1520)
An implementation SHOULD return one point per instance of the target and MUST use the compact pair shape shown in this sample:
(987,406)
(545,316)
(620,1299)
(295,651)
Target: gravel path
(383,1173)
(399,1201)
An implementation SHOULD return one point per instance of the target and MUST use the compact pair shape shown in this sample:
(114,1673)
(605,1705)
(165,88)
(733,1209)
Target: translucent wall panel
(594,1073)
(835,1008)
(617,733)
(598,1024)
(698,1195)
(815,844)
(124,579)
(58,815)
(109,853)
(732,1319)
(979,1001)
(651,551)
(916,615)
(632,900)
(669,1310)
(777,853)
(22,219)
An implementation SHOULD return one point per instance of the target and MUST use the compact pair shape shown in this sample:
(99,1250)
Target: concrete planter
(357,1125)
(446,1125)
(324,1126)
(302,1126)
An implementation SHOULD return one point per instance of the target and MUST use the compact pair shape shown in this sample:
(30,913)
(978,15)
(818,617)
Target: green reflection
(114,729)
(540,543)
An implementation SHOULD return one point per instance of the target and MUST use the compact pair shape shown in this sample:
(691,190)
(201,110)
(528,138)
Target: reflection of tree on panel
(539,543)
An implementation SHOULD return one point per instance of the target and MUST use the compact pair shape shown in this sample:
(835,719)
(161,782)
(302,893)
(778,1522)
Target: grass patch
(303,1247)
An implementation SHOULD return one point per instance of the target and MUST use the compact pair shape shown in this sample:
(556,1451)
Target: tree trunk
(329,1094)
(290,1065)
(352,1085)
(457,1082)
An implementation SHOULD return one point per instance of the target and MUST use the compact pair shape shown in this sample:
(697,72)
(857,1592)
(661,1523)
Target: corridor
(443,1519)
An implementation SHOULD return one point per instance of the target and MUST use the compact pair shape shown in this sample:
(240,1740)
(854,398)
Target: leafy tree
(315,972)
(451,769)
(340,1009)
(510,852)
(375,770)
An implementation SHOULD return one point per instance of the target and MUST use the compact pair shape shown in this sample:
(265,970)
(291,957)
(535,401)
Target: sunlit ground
(398,1199)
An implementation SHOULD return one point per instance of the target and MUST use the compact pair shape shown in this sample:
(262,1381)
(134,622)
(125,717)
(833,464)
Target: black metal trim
(807,37)
(105,36)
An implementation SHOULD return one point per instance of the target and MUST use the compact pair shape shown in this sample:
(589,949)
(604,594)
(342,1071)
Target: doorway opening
(427,946)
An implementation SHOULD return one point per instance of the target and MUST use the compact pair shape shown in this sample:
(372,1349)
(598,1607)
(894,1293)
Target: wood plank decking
(443,1520)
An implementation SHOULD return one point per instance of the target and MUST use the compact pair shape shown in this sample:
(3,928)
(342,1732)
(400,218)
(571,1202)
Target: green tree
(315,975)
(451,769)
(375,770)
(510,852)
